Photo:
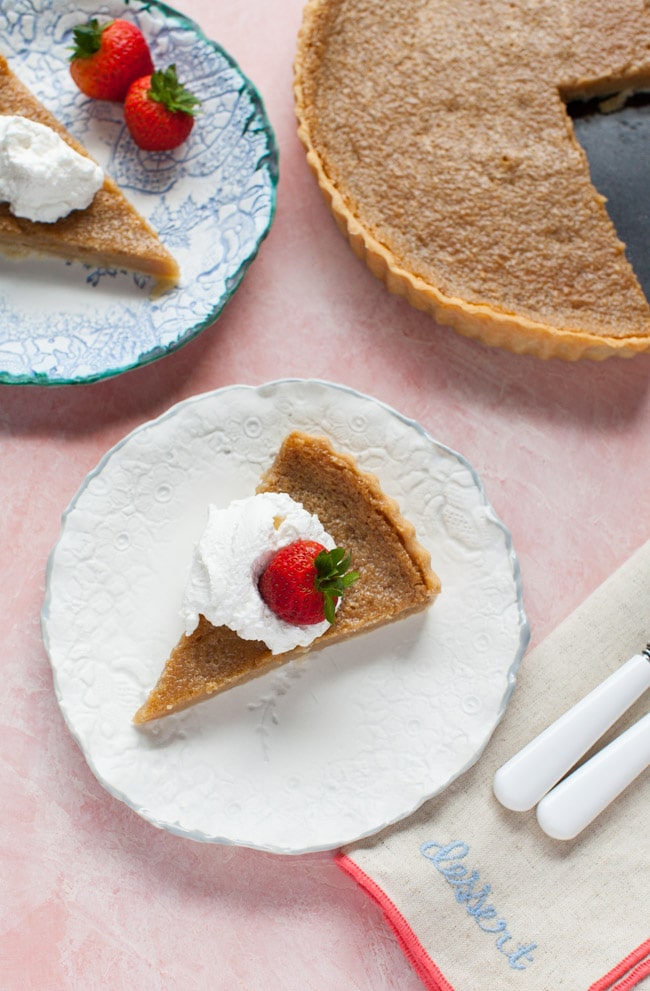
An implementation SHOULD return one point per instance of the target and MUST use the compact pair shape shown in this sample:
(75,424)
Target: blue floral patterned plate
(212,200)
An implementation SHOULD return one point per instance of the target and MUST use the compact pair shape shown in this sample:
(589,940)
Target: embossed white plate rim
(251,839)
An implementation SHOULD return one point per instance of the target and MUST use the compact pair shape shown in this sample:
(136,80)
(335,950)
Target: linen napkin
(480,898)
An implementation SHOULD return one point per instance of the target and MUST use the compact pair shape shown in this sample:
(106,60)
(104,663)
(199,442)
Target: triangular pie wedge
(395,580)
(109,232)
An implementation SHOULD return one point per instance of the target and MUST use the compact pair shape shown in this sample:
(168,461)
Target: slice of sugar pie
(395,580)
(109,232)
(439,134)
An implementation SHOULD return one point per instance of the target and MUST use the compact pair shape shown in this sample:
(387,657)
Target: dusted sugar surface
(444,140)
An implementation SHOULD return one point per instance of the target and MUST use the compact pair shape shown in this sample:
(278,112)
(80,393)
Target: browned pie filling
(439,133)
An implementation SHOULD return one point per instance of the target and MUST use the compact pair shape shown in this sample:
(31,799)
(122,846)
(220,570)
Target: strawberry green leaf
(87,38)
(333,577)
(166,89)
(329,608)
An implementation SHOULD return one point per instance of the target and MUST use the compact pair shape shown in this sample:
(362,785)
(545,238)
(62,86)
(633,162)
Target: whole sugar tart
(438,131)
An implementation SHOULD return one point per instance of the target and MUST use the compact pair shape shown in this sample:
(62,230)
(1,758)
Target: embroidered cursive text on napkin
(447,858)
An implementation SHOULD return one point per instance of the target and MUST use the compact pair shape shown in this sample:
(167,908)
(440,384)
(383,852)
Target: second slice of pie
(109,233)
(396,578)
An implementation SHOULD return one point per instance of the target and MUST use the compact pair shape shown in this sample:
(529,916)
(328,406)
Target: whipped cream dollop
(41,176)
(236,545)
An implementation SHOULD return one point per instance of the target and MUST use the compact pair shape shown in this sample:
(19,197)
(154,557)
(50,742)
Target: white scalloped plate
(321,752)
(212,200)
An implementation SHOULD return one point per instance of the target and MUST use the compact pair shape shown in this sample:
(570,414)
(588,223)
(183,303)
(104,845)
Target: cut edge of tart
(395,575)
(109,233)
(492,325)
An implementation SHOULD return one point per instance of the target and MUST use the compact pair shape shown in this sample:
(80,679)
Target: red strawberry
(107,58)
(303,582)
(159,111)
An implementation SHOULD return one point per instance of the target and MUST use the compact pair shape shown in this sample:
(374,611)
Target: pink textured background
(94,897)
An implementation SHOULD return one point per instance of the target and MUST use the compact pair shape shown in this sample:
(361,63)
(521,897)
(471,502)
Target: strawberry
(107,58)
(303,582)
(159,111)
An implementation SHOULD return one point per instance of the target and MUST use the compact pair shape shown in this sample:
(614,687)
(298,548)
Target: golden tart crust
(395,580)
(441,140)
(109,232)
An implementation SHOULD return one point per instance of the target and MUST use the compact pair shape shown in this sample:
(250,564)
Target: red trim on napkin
(626,975)
(414,952)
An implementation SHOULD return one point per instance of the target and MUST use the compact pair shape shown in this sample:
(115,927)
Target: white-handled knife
(583,795)
(530,774)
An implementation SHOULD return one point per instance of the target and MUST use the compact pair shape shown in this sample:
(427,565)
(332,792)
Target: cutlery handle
(525,778)
(577,800)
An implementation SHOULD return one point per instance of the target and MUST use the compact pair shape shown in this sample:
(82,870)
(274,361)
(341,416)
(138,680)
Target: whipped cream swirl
(236,545)
(41,176)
